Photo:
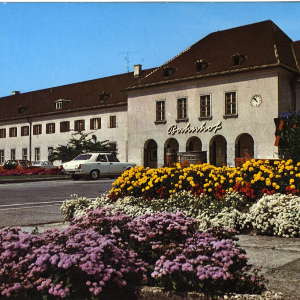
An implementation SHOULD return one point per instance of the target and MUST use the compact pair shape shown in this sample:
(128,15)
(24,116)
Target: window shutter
(76,125)
(61,126)
(68,125)
(40,127)
(83,124)
(91,123)
(99,123)
(22,131)
(53,127)
(47,128)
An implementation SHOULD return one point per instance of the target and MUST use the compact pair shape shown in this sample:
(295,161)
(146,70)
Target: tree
(76,146)
(289,143)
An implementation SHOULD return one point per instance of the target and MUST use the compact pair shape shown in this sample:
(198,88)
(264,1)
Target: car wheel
(75,177)
(94,174)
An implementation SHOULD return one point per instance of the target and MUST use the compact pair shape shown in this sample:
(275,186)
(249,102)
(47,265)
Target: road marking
(20,204)
(28,207)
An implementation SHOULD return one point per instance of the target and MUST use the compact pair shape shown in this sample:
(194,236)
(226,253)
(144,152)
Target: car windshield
(83,157)
(36,163)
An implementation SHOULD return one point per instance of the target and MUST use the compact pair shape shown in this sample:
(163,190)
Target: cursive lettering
(188,129)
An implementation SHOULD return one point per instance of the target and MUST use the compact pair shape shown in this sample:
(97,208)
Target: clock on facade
(256,100)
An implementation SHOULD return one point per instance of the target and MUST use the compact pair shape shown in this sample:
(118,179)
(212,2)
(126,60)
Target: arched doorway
(244,146)
(218,151)
(171,147)
(150,154)
(193,144)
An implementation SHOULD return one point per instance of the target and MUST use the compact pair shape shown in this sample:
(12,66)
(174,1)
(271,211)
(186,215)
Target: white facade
(47,141)
(258,122)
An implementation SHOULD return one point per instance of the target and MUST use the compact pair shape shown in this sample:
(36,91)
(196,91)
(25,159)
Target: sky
(51,44)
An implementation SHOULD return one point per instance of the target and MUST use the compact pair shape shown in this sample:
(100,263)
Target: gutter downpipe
(30,125)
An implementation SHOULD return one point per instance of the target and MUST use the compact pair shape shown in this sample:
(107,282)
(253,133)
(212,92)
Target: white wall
(44,141)
(256,121)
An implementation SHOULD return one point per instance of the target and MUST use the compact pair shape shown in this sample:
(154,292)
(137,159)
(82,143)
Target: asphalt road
(36,203)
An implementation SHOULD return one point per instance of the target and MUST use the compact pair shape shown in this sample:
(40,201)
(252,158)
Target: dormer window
(59,104)
(104,96)
(238,59)
(168,71)
(21,109)
(201,65)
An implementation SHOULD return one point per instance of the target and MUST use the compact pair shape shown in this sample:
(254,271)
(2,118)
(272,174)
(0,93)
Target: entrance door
(244,146)
(218,151)
(150,154)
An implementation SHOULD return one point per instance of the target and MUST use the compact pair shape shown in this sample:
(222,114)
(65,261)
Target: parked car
(95,165)
(13,164)
(42,164)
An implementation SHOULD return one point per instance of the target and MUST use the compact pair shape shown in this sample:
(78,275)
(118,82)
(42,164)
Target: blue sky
(51,44)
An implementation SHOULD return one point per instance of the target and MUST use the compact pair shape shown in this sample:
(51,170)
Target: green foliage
(289,145)
(78,144)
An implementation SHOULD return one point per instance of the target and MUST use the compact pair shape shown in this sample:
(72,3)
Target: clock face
(256,100)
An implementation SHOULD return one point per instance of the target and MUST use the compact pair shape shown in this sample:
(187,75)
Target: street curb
(22,180)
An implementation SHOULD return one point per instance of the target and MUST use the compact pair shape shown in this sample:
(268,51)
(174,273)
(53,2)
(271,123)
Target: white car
(42,164)
(95,165)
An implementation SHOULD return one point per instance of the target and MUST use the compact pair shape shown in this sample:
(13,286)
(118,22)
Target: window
(37,154)
(2,157)
(238,59)
(24,154)
(37,129)
(22,109)
(201,65)
(58,105)
(12,153)
(79,125)
(50,151)
(205,107)
(83,157)
(160,112)
(64,126)
(113,122)
(112,158)
(168,71)
(13,131)
(50,128)
(104,96)
(181,110)
(24,130)
(230,105)
(95,123)
(2,133)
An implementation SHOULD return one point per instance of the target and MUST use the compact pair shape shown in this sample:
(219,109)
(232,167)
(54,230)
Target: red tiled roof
(263,44)
(83,95)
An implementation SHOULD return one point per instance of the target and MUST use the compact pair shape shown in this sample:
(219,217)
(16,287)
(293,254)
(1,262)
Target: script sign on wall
(188,129)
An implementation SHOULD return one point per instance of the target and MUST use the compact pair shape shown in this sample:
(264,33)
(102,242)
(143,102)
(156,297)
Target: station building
(219,97)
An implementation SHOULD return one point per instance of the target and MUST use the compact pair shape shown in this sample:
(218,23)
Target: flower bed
(276,215)
(253,179)
(107,251)
(31,171)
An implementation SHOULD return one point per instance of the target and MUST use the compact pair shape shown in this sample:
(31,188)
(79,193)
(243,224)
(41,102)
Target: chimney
(15,92)
(137,71)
